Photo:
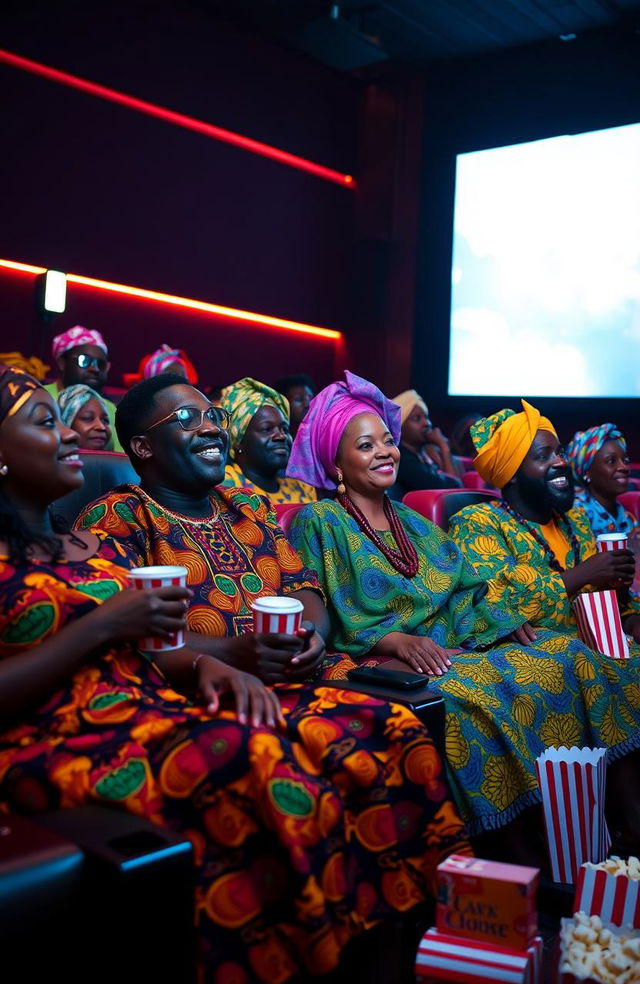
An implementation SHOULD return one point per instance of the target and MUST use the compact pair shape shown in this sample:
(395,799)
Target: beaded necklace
(540,540)
(405,558)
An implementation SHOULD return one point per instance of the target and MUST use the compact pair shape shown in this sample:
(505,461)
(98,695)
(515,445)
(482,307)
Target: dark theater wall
(100,190)
(525,94)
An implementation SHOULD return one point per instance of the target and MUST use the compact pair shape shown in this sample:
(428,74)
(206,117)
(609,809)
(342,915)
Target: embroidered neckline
(182,517)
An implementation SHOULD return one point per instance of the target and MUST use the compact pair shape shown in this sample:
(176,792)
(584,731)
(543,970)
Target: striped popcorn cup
(610,890)
(163,576)
(611,541)
(465,961)
(277,614)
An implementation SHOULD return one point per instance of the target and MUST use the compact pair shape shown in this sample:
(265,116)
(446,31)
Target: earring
(3,470)
(587,479)
(341,488)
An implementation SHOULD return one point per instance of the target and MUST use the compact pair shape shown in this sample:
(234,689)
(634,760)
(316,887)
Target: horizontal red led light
(236,314)
(177,119)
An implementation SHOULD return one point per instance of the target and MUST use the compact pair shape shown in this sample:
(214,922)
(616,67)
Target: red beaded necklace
(405,558)
(540,540)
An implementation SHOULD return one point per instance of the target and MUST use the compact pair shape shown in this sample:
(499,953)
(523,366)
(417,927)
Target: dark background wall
(497,100)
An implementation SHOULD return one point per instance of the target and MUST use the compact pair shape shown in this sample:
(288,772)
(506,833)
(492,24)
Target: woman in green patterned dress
(398,587)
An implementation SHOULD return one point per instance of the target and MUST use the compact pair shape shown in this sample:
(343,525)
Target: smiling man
(535,548)
(226,538)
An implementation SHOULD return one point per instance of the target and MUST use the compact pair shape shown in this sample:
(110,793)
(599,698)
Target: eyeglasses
(190,418)
(86,361)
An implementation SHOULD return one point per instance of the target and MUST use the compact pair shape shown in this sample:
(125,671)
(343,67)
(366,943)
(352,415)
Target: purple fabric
(313,456)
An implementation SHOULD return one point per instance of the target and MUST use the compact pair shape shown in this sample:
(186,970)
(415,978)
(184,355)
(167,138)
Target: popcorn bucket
(611,541)
(610,890)
(592,952)
(277,614)
(599,623)
(161,576)
(454,958)
(572,785)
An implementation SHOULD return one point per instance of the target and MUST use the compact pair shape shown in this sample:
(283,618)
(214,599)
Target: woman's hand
(525,634)
(253,700)
(132,614)
(420,653)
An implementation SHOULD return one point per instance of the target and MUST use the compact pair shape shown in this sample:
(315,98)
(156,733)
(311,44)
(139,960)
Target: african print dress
(505,704)
(289,489)
(601,520)
(302,838)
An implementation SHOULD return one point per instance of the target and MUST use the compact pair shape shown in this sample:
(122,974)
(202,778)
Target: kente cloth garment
(515,565)
(243,400)
(233,557)
(289,489)
(503,441)
(72,399)
(505,705)
(313,455)
(601,520)
(114,444)
(73,337)
(584,446)
(301,838)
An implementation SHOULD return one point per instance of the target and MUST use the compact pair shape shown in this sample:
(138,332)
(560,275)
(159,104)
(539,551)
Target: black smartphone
(402,679)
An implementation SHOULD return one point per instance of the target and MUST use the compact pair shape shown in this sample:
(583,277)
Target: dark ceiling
(358,34)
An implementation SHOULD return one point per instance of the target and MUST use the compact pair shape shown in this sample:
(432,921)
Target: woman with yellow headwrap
(260,443)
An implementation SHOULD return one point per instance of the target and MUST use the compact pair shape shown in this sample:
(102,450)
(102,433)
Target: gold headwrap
(407,400)
(503,441)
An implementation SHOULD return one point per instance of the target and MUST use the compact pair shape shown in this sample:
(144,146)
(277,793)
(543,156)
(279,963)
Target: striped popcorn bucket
(277,614)
(454,958)
(162,576)
(611,541)
(572,785)
(613,897)
(599,624)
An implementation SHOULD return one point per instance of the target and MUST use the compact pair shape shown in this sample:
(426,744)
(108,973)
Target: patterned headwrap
(73,398)
(243,400)
(503,441)
(585,445)
(407,400)
(78,335)
(159,361)
(16,386)
(313,456)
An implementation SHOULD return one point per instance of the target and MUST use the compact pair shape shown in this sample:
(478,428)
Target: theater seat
(631,501)
(285,511)
(439,505)
(472,480)
(102,470)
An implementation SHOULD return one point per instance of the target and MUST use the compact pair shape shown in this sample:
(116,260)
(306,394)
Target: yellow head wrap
(407,400)
(503,441)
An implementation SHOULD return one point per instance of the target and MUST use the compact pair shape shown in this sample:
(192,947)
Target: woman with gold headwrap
(260,443)
(422,466)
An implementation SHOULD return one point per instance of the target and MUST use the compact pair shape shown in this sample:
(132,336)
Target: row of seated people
(315,811)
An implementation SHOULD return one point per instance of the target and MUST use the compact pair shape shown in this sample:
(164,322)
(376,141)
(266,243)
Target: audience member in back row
(598,457)
(85,411)
(304,835)
(163,359)
(418,469)
(81,357)
(260,443)
(397,587)
(299,392)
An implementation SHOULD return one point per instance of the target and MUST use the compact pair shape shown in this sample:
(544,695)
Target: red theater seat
(631,501)
(472,480)
(439,505)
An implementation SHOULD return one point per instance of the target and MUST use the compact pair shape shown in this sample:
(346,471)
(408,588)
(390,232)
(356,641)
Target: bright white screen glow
(546,268)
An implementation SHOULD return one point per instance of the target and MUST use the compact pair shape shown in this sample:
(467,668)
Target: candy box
(610,890)
(487,900)
(452,958)
(592,952)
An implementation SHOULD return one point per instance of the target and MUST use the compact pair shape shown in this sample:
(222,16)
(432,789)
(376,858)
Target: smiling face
(368,456)
(40,453)
(544,480)
(73,369)
(185,461)
(609,472)
(266,445)
(91,423)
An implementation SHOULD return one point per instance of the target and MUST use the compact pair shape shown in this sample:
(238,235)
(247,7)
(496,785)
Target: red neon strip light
(237,314)
(177,119)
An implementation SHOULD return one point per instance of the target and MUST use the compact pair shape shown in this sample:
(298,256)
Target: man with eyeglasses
(81,356)
(227,538)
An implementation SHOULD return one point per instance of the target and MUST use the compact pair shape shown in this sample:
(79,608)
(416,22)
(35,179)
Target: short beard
(540,497)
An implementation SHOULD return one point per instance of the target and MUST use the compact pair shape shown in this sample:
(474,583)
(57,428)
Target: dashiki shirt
(601,520)
(289,489)
(301,838)
(504,704)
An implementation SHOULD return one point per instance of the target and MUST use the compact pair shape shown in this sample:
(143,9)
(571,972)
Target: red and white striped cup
(277,614)
(162,576)
(611,541)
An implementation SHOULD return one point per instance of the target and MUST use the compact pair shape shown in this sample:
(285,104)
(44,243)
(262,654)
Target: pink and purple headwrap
(313,456)
(78,335)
